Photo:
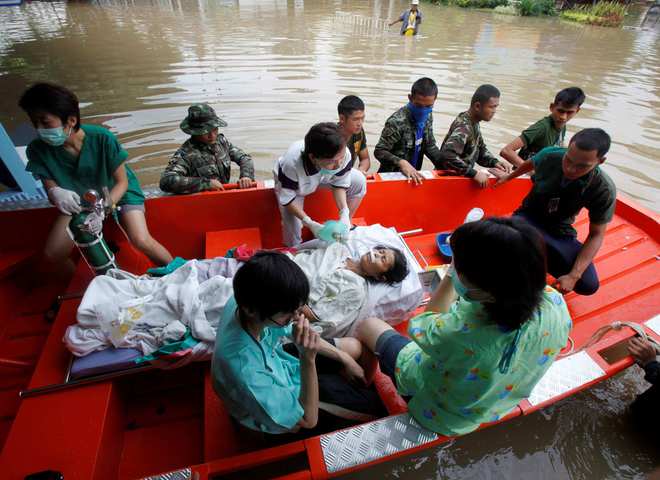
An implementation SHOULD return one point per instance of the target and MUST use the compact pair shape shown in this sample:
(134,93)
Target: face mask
(53,136)
(420,114)
(325,171)
(477,296)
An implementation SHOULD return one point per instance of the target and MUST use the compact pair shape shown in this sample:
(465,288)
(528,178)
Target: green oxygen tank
(92,247)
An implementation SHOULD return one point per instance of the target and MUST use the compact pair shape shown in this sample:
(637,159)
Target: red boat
(170,424)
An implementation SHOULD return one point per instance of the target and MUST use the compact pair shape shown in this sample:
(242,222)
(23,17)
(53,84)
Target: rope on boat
(602,331)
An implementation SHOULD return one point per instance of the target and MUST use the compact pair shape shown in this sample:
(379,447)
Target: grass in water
(607,14)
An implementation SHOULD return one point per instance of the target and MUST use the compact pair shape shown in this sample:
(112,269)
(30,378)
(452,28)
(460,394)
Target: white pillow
(391,303)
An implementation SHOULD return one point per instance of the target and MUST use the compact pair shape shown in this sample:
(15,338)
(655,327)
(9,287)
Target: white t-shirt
(298,177)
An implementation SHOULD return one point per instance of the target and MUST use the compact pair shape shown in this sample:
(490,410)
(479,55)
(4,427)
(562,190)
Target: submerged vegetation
(606,13)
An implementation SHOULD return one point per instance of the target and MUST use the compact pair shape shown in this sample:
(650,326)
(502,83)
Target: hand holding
(215,185)
(642,351)
(245,182)
(314,227)
(565,283)
(481,178)
(67,201)
(411,172)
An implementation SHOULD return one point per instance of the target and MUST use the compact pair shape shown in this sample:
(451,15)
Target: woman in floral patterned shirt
(472,359)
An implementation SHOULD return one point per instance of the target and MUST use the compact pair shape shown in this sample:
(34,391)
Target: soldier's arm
(389,137)
(243,160)
(176,179)
(451,151)
(486,159)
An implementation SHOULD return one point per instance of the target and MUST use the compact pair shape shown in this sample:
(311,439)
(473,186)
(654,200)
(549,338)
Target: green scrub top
(451,367)
(101,154)
(258,381)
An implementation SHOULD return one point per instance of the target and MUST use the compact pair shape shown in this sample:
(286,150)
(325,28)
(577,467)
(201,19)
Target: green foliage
(606,14)
(534,8)
(506,10)
(473,3)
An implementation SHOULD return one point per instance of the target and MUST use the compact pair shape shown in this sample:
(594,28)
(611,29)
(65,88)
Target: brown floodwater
(272,68)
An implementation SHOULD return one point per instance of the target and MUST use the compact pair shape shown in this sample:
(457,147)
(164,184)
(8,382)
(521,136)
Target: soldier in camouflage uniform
(463,147)
(408,134)
(202,162)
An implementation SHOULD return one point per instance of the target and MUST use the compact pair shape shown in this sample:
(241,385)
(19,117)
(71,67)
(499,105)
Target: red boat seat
(223,437)
(217,243)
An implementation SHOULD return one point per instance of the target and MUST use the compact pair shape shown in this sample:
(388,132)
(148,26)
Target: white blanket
(142,312)
(123,310)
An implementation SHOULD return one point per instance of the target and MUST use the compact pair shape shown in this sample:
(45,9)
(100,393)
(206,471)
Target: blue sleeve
(278,402)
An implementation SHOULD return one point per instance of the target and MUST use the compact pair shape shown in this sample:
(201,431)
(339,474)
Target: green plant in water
(607,14)
(533,8)
(506,10)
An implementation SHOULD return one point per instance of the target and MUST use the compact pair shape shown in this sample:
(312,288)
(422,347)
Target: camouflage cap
(201,120)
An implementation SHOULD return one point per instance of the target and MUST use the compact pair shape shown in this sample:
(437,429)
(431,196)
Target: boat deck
(159,421)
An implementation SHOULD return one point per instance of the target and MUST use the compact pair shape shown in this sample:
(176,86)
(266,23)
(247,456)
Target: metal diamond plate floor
(364,443)
(565,375)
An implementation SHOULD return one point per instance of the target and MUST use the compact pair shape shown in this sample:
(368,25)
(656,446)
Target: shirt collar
(308,165)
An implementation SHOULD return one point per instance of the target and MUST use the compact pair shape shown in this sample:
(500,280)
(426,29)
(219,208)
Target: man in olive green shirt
(351,119)
(550,131)
(564,182)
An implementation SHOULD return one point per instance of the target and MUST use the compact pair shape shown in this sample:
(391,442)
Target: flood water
(272,68)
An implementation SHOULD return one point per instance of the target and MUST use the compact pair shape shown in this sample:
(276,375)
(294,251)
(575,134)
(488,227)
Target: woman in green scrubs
(70,159)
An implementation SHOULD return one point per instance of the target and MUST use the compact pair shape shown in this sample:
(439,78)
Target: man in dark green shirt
(351,120)
(550,131)
(565,181)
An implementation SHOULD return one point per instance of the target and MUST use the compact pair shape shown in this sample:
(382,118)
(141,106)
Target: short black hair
(484,93)
(399,269)
(53,99)
(570,97)
(270,283)
(350,104)
(424,87)
(593,139)
(324,140)
(515,276)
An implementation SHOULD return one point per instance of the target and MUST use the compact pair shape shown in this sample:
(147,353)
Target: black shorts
(388,346)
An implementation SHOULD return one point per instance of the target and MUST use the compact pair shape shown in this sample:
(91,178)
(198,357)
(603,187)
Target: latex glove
(345,217)
(67,201)
(94,223)
(314,227)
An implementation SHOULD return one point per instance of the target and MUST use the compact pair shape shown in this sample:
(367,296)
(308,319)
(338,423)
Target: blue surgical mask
(420,114)
(472,295)
(325,171)
(53,136)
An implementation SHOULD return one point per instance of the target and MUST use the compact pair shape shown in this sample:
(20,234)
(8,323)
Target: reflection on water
(272,68)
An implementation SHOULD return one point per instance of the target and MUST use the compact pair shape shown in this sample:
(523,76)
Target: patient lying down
(145,313)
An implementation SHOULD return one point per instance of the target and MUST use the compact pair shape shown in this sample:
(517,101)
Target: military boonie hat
(201,120)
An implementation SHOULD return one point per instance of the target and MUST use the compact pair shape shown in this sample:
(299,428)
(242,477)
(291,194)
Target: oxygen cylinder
(93,248)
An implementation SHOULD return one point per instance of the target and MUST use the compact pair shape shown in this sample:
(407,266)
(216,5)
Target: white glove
(345,217)
(94,223)
(314,227)
(67,201)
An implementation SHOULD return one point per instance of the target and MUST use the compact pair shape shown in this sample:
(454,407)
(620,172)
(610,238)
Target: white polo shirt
(298,177)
